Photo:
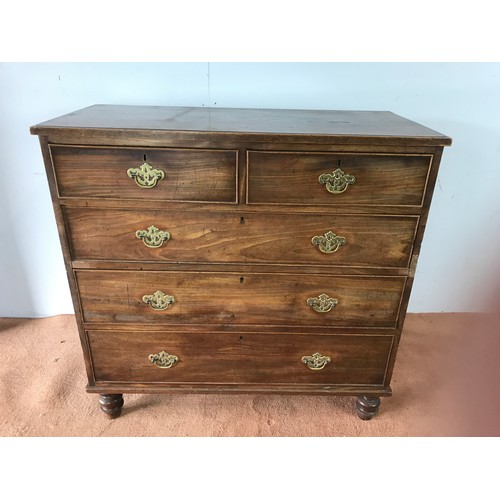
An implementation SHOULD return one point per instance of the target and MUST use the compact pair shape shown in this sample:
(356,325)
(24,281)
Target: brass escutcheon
(329,242)
(336,182)
(158,300)
(316,361)
(163,359)
(322,303)
(146,176)
(152,237)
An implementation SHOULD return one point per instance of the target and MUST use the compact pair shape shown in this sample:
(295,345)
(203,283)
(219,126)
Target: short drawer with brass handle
(167,174)
(299,178)
(239,298)
(157,356)
(230,237)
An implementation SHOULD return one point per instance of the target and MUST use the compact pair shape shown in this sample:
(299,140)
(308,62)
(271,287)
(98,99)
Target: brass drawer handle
(146,176)
(329,242)
(336,182)
(159,300)
(316,361)
(152,237)
(164,359)
(322,303)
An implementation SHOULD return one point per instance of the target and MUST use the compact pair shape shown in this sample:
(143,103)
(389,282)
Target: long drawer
(307,178)
(225,298)
(145,173)
(223,237)
(233,358)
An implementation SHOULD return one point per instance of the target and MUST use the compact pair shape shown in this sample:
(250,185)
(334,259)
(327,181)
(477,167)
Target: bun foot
(111,404)
(367,407)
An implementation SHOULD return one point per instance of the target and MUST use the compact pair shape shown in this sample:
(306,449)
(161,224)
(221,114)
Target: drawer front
(294,178)
(169,174)
(305,239)
(234,358)
(246,298)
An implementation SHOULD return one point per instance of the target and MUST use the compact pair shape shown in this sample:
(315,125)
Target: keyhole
(242,220)
(339,163)
(241,338)
(144,157)
(242,280)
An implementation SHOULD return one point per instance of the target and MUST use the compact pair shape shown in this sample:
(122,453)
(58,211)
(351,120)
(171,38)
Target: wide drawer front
(336,179)
(234,358)
(166,235)
(144,173)
(170,297)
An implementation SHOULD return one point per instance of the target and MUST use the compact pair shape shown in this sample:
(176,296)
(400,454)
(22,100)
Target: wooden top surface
(283,122)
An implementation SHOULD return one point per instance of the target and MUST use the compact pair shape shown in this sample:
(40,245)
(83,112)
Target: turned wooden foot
(111,404)
(367,406)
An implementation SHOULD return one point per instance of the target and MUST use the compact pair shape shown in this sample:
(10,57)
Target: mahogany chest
(239,250)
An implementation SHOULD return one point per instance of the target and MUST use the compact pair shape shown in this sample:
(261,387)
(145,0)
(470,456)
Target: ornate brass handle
(329,242)
(146,176)
(316,361)
(153,237)
(336,182)
(322,303)
(159,300)
(164,359)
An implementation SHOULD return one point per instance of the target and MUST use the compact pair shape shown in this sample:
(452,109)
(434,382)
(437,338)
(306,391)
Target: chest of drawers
(239,250)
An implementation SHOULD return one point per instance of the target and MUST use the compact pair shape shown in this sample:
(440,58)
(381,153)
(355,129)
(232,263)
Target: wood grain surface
(283,125)
(245,238)
(231,358)
(239,298)
(292,178)
(190,174)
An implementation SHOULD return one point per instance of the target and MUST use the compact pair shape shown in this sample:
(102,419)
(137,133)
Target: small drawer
(143,173)
(223,237)
(229,358)
(336,179)
(227,298)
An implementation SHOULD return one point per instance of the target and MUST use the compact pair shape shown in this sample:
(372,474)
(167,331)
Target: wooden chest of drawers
(239,250)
